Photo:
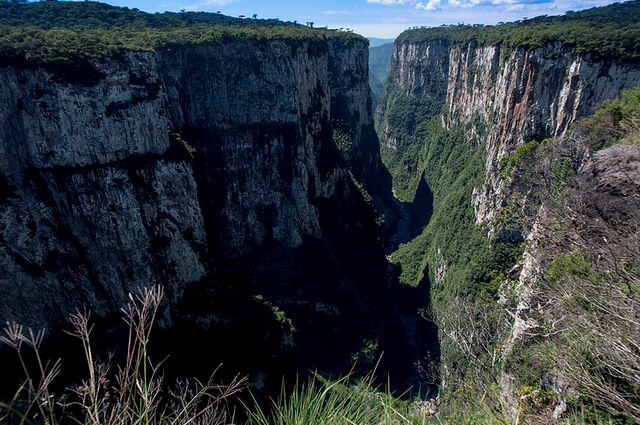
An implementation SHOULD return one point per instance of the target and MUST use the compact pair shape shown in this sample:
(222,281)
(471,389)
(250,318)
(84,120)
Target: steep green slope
(439,149)
(445,165)
(443,223)
(379,57)
(434,172)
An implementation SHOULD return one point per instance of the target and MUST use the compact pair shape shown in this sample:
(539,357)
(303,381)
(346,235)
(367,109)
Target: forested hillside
(611,33)
(91,15)
(61,32)
(468,115)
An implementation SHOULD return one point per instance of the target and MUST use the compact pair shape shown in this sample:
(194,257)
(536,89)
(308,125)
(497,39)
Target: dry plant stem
(475,332)
(140,316)
(39,395)
(90,389)
(135,397)
(138,387)
(188,398)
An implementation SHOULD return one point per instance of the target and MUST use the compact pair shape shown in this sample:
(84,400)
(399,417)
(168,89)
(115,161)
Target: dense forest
(61,32)
(613,35)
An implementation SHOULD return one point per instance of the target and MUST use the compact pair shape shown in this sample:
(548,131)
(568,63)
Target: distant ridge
(375,42)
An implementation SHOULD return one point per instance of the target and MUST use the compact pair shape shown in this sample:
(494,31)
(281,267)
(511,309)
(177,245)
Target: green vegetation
(521,153)
(451,241)
(137,394)
(608,33)
(92,15)
(64,32)
(537,172)
(588,331)
(435,171)
(429,160)
(587,299)
(379,61)
(176,137)
(342,401)
(617,121)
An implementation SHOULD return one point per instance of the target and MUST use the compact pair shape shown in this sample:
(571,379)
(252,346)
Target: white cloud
(506,5)
(465,3)
(431,5)
(393,2)
(336,12)
(217,2)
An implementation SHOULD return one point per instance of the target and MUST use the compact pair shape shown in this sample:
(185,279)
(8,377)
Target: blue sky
(374,18)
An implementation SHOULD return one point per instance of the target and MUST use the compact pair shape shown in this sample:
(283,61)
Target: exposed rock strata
(519,95)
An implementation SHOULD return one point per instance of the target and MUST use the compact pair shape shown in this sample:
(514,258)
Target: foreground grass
(138,394)
(134,397)
(339,402)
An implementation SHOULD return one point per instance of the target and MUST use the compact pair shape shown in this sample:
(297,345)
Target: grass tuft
(137,394)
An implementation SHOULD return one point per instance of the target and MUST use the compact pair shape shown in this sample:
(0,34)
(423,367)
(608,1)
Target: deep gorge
(244,177)
(243,172)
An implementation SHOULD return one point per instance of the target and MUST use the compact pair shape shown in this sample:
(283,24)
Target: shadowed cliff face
(244,177)
(98,202)
(213,170)
(258,117)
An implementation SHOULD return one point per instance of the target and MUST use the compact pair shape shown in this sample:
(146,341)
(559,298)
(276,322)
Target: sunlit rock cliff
(505,97)
(516,210)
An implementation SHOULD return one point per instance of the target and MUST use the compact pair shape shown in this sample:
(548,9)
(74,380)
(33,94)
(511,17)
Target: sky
(374,18)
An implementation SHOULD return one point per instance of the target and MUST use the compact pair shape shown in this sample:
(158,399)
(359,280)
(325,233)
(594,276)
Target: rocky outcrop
(600,216)
(153,167)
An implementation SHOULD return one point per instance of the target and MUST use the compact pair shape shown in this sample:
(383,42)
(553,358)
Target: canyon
(214,172)
(245,175)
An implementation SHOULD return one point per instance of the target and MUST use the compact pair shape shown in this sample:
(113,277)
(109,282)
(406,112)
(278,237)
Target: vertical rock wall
(102,191)
(519,95)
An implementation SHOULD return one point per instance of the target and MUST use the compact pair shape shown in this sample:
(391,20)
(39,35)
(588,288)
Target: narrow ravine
(421,336)
(402,235)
